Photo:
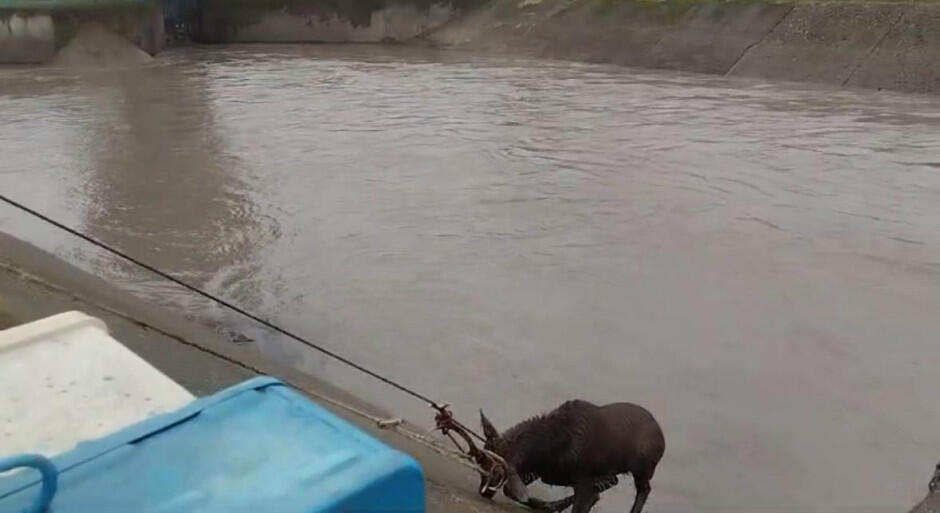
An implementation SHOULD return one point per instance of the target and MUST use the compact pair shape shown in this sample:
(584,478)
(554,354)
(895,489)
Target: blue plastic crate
(258,447)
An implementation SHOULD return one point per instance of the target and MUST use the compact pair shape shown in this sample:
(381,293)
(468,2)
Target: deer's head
(514,488)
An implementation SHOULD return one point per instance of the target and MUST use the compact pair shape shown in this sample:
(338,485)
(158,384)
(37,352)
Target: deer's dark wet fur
(581,445)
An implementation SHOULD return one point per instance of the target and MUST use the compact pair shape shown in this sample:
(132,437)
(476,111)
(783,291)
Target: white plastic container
(63,380)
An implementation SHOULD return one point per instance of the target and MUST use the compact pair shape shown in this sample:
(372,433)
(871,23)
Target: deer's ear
(489,431)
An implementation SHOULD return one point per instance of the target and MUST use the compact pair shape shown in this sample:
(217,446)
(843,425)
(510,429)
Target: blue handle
(50,477)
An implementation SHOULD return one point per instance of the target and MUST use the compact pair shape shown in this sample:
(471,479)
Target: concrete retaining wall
(875,45)
(348,21)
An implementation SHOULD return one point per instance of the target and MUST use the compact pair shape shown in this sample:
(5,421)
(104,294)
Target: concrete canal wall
(334,21)
(878,45)
(892,45)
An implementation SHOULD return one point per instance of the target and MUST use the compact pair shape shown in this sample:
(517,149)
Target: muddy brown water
(756,263)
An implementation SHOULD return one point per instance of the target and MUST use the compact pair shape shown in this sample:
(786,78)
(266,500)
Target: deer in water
(578,445)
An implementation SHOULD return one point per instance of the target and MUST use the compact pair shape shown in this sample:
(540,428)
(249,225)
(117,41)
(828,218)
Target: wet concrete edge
(35,284)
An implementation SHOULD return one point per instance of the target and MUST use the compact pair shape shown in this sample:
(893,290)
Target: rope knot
(489,464)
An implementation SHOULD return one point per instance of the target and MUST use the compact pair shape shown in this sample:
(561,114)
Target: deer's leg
(605,483)
(643,488)
(553,506)
(585,496)
(600,486)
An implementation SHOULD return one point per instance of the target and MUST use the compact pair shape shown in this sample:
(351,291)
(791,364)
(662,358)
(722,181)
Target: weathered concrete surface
(908,58)
(711,37)
(820,43)
(877,45)
(26,39)
(354,21)
(34,284)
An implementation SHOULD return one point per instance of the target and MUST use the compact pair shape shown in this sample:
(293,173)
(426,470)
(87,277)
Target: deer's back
(620,438)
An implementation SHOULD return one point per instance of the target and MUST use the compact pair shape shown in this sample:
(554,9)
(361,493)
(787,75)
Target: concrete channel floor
(35,284)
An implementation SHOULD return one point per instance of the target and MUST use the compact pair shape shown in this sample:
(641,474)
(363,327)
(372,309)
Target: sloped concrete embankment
(35,284)
(874,45)
(332,21)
